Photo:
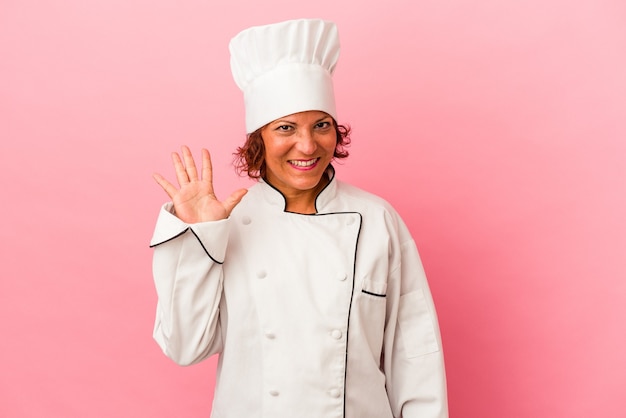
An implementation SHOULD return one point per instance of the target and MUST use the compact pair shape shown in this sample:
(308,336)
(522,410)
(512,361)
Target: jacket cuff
(168,226)
(213,236)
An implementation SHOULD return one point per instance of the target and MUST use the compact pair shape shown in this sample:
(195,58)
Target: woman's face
(298,148)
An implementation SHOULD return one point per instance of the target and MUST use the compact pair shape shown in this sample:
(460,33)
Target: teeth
(303,163)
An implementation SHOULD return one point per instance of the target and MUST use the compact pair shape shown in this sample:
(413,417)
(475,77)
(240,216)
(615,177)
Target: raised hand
(195,200)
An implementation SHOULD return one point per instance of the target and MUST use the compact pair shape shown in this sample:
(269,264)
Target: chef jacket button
(341,277)
(336,334)
(246,220)
(335,393)
(274,392)
(270,335)
(261,274)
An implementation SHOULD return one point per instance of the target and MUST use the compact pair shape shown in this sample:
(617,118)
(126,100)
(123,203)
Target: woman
(311,290)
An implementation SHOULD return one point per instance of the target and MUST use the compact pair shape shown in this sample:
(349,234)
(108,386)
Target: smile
(303,163)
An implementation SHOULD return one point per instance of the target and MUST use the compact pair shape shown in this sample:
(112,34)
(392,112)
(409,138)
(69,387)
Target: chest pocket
(372,308)
(374,288)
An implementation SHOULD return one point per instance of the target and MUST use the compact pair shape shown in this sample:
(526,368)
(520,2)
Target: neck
(304,201)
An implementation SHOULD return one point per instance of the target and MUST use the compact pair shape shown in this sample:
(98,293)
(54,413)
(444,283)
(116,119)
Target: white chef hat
(285,68)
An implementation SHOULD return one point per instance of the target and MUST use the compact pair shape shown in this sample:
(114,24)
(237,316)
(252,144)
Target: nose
(306,143)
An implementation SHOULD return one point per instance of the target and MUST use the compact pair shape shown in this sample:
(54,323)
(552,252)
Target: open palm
(195,200)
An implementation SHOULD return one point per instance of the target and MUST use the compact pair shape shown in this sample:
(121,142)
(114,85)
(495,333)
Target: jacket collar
(323,199)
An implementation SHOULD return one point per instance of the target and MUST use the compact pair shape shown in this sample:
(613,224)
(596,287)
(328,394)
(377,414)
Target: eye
(322,125)
(283,128)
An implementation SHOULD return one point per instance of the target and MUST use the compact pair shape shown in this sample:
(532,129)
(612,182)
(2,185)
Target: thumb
(233,200)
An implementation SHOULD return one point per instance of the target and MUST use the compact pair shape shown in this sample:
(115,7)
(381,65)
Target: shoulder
(372,207)
(362,199)
(375,211)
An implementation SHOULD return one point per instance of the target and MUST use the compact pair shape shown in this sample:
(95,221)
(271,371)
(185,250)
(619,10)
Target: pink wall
(496,128)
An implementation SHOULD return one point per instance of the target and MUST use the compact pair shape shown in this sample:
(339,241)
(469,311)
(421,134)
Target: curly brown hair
(249,159)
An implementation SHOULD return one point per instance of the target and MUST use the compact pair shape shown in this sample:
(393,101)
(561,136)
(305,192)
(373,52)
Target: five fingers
(186,173)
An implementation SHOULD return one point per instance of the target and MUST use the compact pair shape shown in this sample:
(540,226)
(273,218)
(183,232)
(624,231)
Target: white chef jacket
(325,315)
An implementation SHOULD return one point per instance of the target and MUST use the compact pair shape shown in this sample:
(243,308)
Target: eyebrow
(323,118)
(283,121)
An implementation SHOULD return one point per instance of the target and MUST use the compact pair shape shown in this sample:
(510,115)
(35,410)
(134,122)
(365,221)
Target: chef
(310,290)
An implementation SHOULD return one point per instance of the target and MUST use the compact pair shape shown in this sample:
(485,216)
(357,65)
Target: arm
(187,269)
(190,242)
(413,357)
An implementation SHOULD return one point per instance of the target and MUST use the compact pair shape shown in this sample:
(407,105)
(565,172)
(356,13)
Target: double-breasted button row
(335,334)
(261,274)
(247,221)
(335,393)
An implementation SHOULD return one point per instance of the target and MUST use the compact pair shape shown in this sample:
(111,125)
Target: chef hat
(285,68)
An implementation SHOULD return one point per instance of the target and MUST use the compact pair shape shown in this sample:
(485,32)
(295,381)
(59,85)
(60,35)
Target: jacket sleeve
(413,356)
(187,270)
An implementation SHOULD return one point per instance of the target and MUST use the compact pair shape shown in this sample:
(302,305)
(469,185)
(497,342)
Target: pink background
(496,128)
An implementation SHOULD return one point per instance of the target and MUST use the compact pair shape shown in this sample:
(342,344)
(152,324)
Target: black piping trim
(330,179)
(345,370)
(204,248)
(373,294)
(169,239)
(328,213)
(279,192)
(198,238)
